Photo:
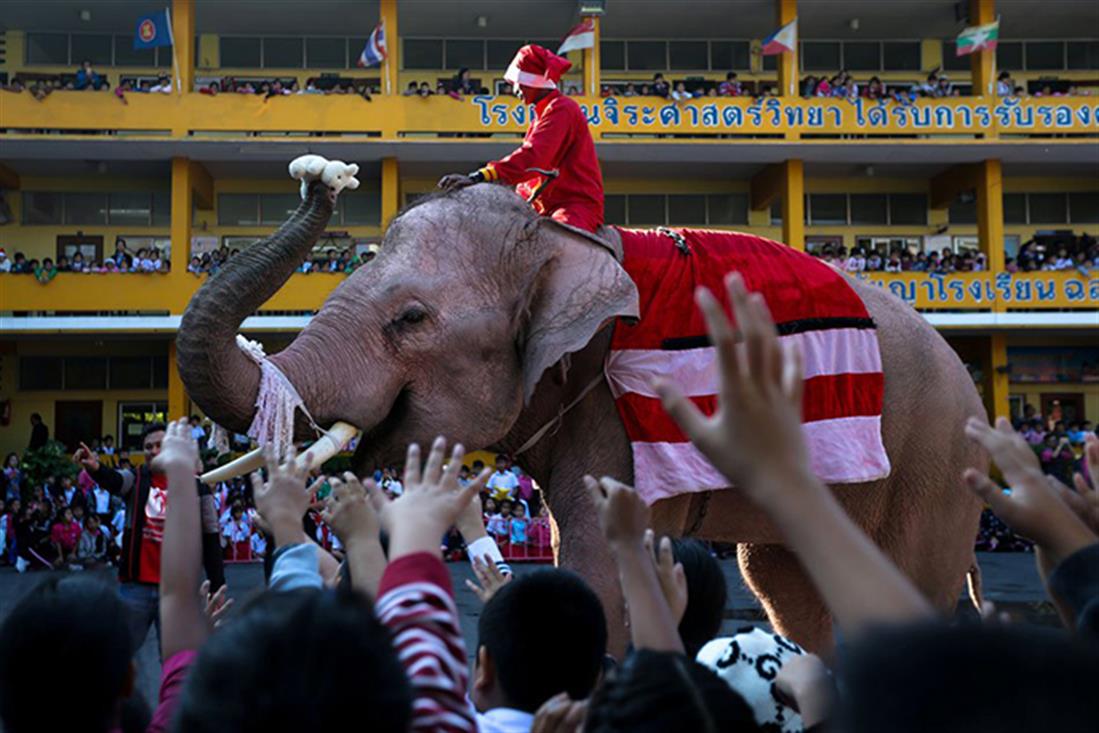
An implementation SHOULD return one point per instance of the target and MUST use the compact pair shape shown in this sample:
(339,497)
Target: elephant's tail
(973,583)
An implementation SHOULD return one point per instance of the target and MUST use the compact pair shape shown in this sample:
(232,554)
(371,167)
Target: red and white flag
(581,36)
(781,41)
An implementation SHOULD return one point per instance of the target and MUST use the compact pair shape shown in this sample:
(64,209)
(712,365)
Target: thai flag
(581,36)
(783,40)
(374,52)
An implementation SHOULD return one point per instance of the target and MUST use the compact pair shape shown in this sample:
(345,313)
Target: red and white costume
(558,138)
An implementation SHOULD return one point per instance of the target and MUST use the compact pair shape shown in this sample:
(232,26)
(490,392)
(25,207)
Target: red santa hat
(534,66)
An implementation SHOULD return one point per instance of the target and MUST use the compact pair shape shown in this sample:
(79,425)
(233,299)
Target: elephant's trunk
(219,377)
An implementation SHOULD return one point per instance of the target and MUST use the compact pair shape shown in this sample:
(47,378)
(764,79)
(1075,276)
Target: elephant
(483,322)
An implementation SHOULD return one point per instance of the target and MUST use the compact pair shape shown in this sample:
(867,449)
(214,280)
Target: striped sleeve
(416,603)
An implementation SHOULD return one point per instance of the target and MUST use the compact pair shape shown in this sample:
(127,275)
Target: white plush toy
(335,174)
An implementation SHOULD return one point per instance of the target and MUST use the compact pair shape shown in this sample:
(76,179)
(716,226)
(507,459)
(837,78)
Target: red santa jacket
(558,138)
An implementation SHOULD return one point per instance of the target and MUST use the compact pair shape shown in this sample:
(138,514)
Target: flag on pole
(153,30)
(977,38)
(374,52)
(781,41)
(581,36)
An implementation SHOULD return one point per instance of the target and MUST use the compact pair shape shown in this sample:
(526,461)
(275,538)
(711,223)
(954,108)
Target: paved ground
(1010,580)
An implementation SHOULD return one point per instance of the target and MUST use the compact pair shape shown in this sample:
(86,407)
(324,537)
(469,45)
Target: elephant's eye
(412,316)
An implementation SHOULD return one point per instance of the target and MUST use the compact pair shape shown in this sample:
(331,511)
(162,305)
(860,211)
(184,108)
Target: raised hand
(1031,505)
(560,714)
(489,577)
(454,181)
(623,514)
(431,501)
(215,605)
(86,458)
(805,682)
(348,511)
(673,581)
(178,451)
(1085,500)
(283,499)
(757,426)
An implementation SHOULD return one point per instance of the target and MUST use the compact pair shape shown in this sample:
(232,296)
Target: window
(361,208)
(48,48)
(726,209)
(239,52)
(326,53)
(82,372)
(282,53)
(645,209)
(901,55)
(86,208)
(423,53)
(1084,207)
(869,208)
(96,49)
(906,209)
(953,62)
(688,55)
(862,55)
(275,208)
(827,208)
(614,209)
(162,209)
(648,55)
(1048,208)
(238,209)
(964,210)
(1015,208)
(465,53)
(686,209)
(130,208)
(612,55)
(776,212)
(820,56)
(125,55)
(1083,55)
(40,372)
(132,419)
(730,55)
(42,207)
(1009,56)
(131,372)
(1045,55)
(770,63)
(500,53)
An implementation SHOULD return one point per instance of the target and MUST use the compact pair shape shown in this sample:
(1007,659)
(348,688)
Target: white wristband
(483,546)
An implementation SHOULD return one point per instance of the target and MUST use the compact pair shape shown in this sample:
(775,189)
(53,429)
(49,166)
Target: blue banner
(153,30)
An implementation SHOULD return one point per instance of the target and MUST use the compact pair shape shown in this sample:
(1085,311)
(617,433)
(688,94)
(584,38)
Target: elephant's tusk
(247,463)
(328,445)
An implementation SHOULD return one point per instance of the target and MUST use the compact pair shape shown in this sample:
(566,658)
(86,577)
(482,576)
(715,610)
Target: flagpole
(175,60)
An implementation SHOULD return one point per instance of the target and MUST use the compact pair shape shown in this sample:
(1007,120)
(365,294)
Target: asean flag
(781,41)
(153,30)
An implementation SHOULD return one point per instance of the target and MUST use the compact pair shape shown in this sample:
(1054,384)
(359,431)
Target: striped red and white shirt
(416,603)
(810,302)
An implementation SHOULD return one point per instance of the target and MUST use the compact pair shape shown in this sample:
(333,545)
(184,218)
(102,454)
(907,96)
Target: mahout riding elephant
(481,321)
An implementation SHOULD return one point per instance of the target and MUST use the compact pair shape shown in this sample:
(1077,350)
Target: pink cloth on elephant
(811,303)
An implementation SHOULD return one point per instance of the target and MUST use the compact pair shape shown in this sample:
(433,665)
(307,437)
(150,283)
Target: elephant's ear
(580,288)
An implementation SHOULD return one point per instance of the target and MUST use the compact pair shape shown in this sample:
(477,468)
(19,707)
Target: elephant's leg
(791,603)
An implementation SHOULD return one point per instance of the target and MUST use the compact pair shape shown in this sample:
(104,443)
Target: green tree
(52,459)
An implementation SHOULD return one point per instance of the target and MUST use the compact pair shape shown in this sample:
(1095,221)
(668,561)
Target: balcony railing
(392,118)
(134,293)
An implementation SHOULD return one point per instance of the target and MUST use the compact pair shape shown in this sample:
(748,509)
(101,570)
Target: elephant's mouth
(374,446)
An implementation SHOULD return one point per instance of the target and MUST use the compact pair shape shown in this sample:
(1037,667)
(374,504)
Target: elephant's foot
(792,604)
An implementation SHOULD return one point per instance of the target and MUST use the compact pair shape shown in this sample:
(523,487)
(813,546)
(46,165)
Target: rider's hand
(454,181)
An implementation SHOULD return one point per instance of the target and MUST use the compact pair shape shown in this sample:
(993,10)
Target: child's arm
(351,515)
(282,502)
(182,621)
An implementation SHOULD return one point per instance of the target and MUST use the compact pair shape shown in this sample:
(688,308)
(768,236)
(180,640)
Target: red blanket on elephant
(810,302)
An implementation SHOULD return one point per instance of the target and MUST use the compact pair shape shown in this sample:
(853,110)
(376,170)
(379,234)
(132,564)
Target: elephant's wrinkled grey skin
(459,327)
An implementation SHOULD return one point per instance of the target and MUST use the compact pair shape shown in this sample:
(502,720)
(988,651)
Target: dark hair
(61,614)
(546,634)
(36,416)
(323,656)
(152,428)
(662,691)
(924,678)
(705,594)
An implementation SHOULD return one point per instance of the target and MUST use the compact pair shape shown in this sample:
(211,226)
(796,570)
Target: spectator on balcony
(463,84)
(874,89)
(1005,85)
(681,94)
(660,87)
(856,262)
(412,90)
(86,77)
(809,86)
(630,91)
(730,87)
(823,88)
(46,271)
(874,262)
(163,85)
(943,87)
